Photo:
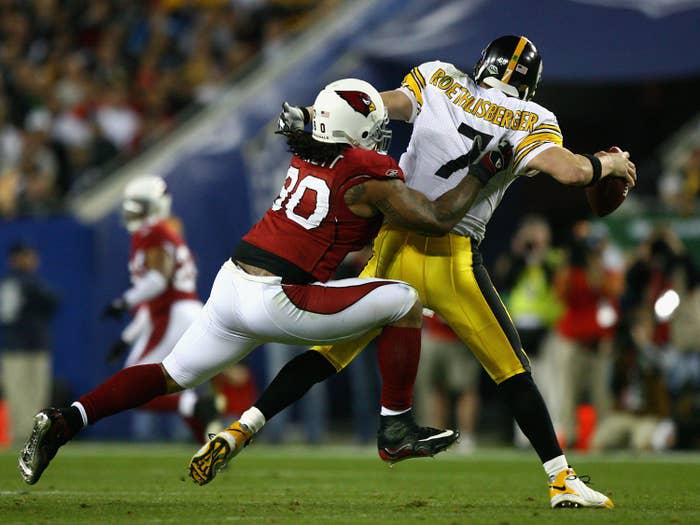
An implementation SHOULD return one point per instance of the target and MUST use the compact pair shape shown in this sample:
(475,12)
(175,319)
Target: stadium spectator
(447,385)
(101,79)
(27,307)
(663,283)
(589,286)
(525,276)
(640,418)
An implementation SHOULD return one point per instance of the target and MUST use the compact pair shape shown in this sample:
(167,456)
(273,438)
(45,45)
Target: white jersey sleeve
(544,135)
(413,85)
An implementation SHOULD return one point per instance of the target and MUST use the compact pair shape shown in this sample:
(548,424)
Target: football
(607,195)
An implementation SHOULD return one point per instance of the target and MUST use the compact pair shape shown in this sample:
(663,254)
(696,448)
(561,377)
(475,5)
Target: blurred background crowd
(608,310)
(87,84)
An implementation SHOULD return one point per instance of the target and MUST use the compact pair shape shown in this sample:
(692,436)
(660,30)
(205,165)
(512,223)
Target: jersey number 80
(294,190)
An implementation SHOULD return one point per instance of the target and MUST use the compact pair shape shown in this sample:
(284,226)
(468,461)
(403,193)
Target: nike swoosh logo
(446,433)
(561,488)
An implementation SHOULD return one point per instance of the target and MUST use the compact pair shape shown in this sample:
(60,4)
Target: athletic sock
(531,414)
(128,388)
(398,353)
(293,381)
(555,466)
(253,418)
(389,412)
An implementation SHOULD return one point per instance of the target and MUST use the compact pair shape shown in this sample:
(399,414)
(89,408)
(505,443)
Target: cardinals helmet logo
(358,101)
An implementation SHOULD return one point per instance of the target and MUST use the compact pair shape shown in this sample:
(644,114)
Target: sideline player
(275,286)
(163,295)
(454,118)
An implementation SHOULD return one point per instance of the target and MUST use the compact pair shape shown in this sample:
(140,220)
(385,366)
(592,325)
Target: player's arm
(580,170)
(160,266)
(412,210)
(398,105)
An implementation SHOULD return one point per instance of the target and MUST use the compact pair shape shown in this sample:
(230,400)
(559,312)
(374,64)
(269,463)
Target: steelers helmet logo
(359,101)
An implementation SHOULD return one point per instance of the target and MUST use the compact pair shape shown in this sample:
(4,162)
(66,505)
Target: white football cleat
(567,490)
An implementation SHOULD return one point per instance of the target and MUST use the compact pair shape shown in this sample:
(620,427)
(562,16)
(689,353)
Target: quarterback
(455,116)
(276,285)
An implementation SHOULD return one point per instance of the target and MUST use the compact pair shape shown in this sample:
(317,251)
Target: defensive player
(163,295)
(455,116)
(275,287)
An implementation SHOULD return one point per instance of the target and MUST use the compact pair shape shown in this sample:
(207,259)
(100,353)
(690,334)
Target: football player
(339,189)
(163,295)
(455,116)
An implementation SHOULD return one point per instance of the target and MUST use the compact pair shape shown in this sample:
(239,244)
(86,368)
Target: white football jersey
(454,121)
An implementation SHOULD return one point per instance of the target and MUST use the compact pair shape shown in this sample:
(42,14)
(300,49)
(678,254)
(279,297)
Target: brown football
(607,195)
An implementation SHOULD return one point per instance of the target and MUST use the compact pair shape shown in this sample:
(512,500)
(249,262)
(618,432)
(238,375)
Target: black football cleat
(399,438)
(50,432)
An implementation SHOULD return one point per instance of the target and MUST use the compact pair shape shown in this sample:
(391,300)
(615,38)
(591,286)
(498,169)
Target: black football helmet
(512,64)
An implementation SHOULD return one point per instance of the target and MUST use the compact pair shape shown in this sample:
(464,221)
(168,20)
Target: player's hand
(621,166)
(115,309)
(118,349)
(492,162)
(291,118)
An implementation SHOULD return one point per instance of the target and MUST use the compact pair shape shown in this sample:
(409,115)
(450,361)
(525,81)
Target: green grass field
(132,484)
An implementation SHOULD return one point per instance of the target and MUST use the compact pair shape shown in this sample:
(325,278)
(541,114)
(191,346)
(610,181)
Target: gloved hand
(492,162)
(115,309)
(118,348)
(292,118)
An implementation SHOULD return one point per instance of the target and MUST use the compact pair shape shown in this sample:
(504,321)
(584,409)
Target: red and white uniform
(302,239)
(159,322)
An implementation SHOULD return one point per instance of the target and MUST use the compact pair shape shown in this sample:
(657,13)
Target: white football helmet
(146,201)
(351,111)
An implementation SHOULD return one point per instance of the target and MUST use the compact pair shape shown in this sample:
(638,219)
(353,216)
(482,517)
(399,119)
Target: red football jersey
(309,224)
(182,285)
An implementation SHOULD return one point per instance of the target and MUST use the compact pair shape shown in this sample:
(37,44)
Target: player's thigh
(182,315)
(335,311)
(205,349)
(462,293)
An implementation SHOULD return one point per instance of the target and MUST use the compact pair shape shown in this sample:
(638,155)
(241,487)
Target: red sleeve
(375,165)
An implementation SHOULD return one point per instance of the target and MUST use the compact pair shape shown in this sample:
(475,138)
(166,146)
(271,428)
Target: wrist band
(597,168)
(307,115)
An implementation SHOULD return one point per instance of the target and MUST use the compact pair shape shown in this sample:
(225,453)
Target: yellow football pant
(452,281)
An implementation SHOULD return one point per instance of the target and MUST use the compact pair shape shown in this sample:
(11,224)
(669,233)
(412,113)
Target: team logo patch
(492,69)
(358,101)
(392,173)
